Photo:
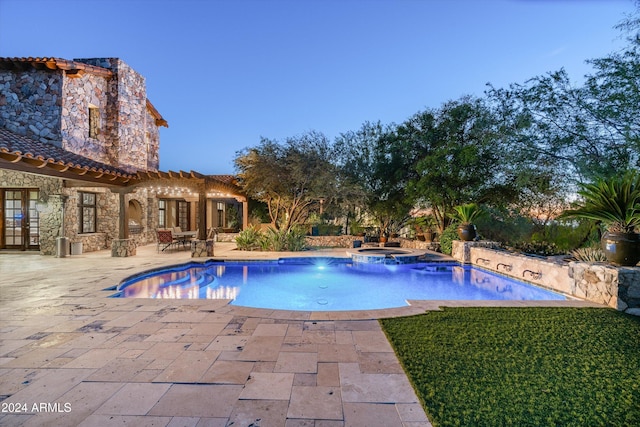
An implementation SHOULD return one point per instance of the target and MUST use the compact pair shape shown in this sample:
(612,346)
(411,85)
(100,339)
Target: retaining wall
(616,287)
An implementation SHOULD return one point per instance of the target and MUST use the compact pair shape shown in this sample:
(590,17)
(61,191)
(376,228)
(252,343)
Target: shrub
(538,248)
(282,240)
(249,239)
(296,240)
(503,225)
(329,230)
(273,240)
(447,237)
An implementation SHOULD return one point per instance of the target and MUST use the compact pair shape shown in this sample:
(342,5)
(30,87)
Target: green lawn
(522,366)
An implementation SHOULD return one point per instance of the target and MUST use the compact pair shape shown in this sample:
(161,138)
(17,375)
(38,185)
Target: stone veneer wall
(78,94)
(346,241)
(135,137)
(107,221)
(50,191)
(107,205)
(31,103)
(52,194)
(47,106)
(616,287)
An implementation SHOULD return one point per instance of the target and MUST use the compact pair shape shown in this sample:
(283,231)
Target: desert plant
(296,239)
(467,213)
(614,201)
(283,240)
(589,254)
(249,239)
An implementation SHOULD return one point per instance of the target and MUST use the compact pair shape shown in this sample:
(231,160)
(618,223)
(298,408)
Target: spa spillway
(386,255)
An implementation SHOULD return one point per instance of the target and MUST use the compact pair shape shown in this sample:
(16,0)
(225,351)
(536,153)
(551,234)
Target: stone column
(51,224)
(123,246)
(461,251)
(201,248)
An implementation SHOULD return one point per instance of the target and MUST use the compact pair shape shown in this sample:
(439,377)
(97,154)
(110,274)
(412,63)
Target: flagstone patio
(71,356)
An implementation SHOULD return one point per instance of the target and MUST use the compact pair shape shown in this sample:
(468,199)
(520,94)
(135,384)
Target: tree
(457,155)
(289,178)
(581,131)
(375,170)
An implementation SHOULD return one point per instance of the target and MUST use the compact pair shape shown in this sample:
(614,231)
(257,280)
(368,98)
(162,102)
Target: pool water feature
(327,284)
(386,255)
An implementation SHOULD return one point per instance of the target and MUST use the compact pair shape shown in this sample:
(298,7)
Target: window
(87,208)
(94,121)
(184,212)
(162,213)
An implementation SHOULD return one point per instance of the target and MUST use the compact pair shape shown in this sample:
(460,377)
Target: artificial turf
(522,366)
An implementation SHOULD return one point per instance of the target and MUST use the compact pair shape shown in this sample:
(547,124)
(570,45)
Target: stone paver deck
(71,356)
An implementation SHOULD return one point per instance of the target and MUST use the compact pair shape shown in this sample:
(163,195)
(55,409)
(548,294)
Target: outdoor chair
(165,239)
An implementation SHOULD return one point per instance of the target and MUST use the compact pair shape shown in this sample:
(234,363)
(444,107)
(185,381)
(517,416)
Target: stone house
(79,158)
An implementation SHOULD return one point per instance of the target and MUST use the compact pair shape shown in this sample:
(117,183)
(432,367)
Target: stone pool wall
(346,241)
(616,287)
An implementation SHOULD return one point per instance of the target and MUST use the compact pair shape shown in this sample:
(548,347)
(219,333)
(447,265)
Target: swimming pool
(332,284)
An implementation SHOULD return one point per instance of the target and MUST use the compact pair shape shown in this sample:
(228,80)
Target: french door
(20,220)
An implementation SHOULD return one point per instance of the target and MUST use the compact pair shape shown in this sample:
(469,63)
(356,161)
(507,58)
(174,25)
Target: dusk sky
(223,73)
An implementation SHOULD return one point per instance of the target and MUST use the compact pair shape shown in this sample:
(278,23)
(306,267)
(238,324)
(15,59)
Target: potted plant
(616,203)
(424,228)
(465,215)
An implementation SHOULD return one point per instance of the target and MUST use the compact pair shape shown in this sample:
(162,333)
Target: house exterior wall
(50,107)
(131,128)
(50,190)
(78,94)
(31,104)
(54,196)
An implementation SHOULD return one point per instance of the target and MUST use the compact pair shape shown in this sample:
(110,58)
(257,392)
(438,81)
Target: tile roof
(70,67)
(33,156)
(17,148)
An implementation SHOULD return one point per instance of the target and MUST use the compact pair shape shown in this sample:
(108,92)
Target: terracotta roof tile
(13,143)
(54,64)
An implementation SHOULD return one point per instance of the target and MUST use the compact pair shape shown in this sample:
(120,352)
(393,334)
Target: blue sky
(226,72)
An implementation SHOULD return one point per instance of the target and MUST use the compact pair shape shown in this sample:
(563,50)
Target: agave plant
(614,201)
(589,254)
(467,213)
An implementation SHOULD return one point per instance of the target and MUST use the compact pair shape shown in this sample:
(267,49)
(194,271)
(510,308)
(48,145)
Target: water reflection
(192,283)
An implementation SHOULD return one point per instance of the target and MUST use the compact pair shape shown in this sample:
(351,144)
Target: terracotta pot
(383,239)
(622,248)
(467,232)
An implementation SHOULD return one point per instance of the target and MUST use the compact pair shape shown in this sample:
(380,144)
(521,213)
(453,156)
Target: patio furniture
(184,237)
(165,239)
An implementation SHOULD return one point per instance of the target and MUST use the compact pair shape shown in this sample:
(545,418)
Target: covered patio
(188,201)
(53,194)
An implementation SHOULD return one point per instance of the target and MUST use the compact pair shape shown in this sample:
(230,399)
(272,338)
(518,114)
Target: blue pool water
(327,284)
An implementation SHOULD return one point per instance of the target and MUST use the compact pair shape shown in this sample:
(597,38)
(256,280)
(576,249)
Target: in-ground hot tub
(386,255)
